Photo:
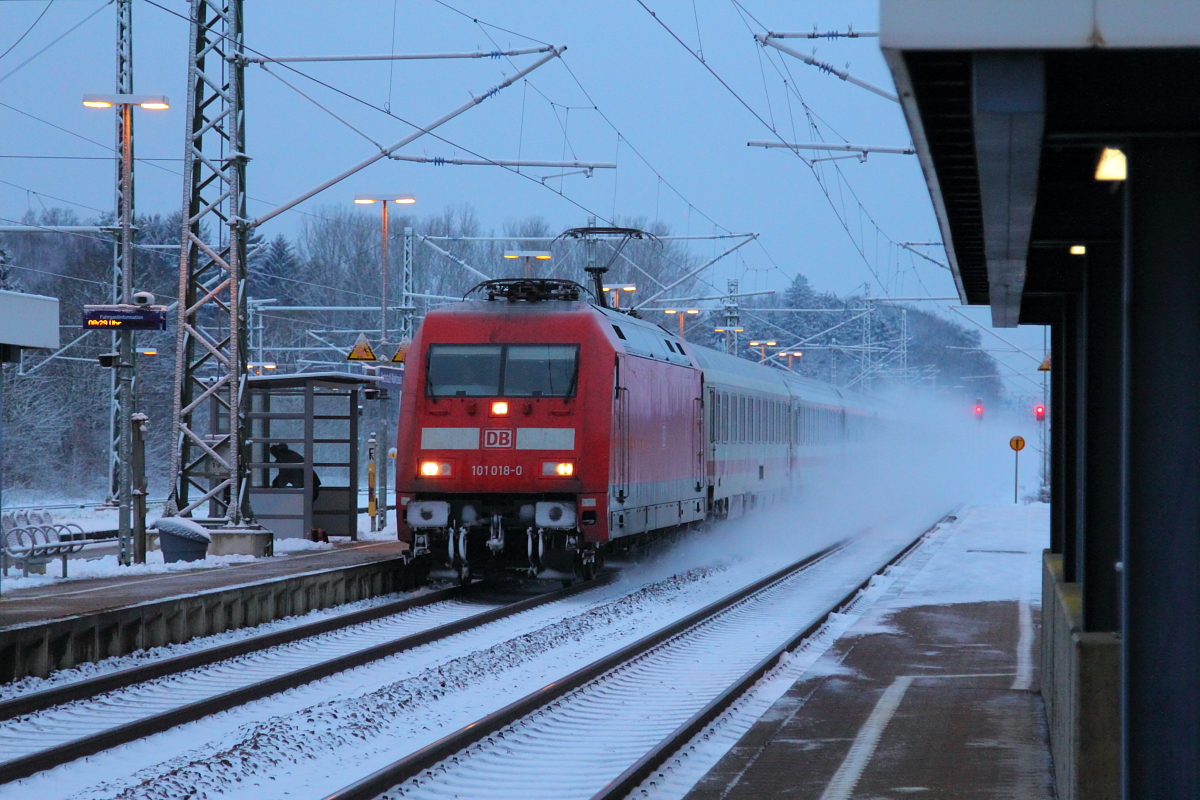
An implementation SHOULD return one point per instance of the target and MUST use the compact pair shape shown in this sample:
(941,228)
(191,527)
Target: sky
(672,97)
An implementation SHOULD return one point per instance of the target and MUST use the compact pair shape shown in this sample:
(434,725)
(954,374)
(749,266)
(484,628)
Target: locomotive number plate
(496,470)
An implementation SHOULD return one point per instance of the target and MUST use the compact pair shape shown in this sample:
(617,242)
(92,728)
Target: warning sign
(1017,443)
(401,351)
(1045,367)
(362,350)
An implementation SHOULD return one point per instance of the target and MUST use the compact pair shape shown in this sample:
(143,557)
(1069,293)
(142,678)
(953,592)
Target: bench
(32,537)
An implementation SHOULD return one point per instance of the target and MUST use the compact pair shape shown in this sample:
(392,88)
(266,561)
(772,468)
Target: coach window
(540,370)
(457,370)
(725,416)
(714,414)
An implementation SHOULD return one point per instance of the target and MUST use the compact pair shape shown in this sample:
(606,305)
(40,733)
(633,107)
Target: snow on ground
(298,545)
(353,723)
(108,567)
(98,519)
(140,657)
(992,552)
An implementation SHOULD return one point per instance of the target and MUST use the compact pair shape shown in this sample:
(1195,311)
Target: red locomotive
(538,430)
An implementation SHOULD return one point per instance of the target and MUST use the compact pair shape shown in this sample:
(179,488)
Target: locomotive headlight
(499,408)
(563,469)
(433,469)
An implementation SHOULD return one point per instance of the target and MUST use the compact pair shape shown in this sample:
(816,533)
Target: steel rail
(414,764)
(51,757)
(80,690)
(654,759)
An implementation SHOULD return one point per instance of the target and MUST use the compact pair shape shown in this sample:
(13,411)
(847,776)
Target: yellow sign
(401,351)
(361,351)
(1045,367)
(1017,443)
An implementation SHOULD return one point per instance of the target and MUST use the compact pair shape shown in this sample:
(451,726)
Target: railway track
(419,694)
(42,730)
(600,731)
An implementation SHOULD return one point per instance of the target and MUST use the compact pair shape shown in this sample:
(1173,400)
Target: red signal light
(978,409)
(1040,413)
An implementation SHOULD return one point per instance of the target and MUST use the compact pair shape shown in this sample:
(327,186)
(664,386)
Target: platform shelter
(304,452)
(1060,143)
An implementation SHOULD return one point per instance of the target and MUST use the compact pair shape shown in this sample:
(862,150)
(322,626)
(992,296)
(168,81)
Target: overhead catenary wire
(68,32)
(594,106)
(765,124)
(28,30)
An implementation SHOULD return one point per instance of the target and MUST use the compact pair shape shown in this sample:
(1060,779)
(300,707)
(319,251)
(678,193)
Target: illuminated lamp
(1112,166)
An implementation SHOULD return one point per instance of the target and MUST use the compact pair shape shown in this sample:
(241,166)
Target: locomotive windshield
(515,370)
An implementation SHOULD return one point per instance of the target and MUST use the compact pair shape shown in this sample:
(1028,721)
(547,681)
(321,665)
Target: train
(540,431)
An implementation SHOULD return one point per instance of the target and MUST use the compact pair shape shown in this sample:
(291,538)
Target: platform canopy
(1011,103)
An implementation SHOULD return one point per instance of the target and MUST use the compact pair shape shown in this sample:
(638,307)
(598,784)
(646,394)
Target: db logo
(497,438)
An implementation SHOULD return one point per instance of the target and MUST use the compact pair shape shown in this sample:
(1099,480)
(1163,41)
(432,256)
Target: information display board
(128,317)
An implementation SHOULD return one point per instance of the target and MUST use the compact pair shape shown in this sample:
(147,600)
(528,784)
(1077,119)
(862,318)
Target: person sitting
(292,476)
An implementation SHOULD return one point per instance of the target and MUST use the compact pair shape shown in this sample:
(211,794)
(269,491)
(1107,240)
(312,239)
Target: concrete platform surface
(83,597)
(933,693)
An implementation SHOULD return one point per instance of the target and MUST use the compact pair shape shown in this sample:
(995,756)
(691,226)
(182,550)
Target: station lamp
(794,354)
(681,314)
(540,255)
(1112,165)
(131,539)
(150,102)
(529,257)
(368,199)
(404,199)
(1078,250)
(616,292)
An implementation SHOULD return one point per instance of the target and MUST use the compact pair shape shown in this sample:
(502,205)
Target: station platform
(61,624)
(932,693)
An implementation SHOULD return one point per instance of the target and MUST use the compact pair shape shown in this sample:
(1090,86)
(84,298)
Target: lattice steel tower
(120,256)
(208,462)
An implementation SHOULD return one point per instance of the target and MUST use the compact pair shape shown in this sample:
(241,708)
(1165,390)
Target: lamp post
(127,357)
(762,348)
(682,315)
(729,333)
(790,357)
(529,256)
(383,199)
(616,290)
(379,521)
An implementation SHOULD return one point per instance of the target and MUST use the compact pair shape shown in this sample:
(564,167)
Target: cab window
(539,370)
(516,370)
(458,370)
